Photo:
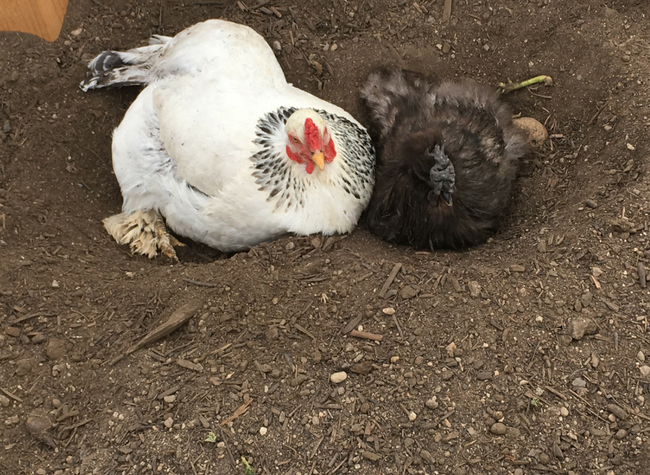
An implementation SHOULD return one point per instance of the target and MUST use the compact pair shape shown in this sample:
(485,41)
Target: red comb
(312,135)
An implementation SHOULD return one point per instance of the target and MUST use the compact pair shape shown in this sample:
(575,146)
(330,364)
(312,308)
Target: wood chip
(641,271)
(389,280)
(241,410)
(176,320)
(352,324)
(366,335)
(446,11)
(370,455)
(556,392)
(189,365)
(302,329)
(11,395)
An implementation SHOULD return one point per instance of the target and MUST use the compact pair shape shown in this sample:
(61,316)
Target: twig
(557,393)
(313,452)
(399,328)
(513,86)
(32,315)
(642,278)
(445,416)
(232,459)
(352,324)
(11,395)
(178,318)
(304,330)
(595,116)
(446,11)
(240,411)
(367,335)
(198,283)
(390,279)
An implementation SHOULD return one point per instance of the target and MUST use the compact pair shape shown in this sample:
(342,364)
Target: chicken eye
(294,139)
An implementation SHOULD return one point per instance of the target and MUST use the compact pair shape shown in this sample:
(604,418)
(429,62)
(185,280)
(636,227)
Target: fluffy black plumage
(447,158)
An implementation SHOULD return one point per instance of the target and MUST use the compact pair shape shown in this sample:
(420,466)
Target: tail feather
(116,68)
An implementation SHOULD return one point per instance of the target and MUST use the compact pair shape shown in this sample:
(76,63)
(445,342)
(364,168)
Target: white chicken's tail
(128,68)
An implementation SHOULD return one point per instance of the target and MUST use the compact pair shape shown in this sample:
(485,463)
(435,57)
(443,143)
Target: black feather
(447,158)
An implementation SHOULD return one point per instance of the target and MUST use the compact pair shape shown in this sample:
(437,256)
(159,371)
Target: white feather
(195,123)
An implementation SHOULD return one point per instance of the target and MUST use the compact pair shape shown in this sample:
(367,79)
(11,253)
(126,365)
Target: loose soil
(525,355)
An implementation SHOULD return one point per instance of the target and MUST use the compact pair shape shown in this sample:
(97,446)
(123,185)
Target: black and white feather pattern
(285,187)
(410,117)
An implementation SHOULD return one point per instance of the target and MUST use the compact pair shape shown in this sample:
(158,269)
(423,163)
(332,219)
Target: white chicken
(224,149)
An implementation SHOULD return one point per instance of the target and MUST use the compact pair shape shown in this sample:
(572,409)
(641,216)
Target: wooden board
(42,18)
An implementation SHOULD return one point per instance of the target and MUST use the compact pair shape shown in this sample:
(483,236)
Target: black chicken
(447,158)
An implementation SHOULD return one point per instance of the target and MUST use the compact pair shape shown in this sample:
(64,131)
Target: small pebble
(621,433)
(564,411)
(617,411)
(13,331)
(412,416)
(406,293)
(169,422)
(544,459)
(474,288)
(432,403)
(645,371)
(591,204)
(339,377)
(263,430)
(498,428)
(389,311)
(4,401)
(277,46)
(55,284)
(56,403)
(12,420)
(579,383)
(640,356)
(170,399)
(581,326)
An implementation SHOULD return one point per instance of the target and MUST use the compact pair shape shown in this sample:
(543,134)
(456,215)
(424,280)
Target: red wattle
(330,151)
(294,156)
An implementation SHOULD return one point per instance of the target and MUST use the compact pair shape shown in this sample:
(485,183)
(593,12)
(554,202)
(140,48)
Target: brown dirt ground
(271,329)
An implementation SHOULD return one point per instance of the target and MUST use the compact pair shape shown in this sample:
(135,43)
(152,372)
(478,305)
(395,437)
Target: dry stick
(225,442)
(176,319)
(198,283)
(446,11)
(313,452)
(389,280)
(32,315)
(399,329)
(11,395)
(557,393)
(240,411)
(641,271)
(366,335)
(304,330)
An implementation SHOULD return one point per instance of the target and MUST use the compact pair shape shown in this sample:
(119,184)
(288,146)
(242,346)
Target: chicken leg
(144,231)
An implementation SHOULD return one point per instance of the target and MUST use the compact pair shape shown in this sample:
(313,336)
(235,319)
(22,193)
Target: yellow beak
(319,159)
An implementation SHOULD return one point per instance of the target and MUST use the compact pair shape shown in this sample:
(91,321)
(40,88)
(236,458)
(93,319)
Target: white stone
(339,377)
